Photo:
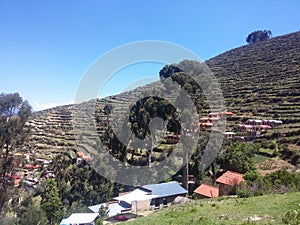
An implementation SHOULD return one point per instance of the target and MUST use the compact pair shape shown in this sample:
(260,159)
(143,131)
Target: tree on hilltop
(258,36)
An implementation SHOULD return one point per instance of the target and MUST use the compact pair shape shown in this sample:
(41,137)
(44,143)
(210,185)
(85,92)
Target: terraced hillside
(262,81)
(258,81)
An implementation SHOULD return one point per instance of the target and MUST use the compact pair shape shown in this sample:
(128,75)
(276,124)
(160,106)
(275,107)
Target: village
(30,171)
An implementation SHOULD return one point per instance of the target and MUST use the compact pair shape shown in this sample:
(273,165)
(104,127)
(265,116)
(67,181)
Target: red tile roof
(245,125)
(231,178)
(207,191)
(227,113)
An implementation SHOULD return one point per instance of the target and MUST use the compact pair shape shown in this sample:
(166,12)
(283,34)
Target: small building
(80,219)
(214,115)
(272,123)
(207,191)
(206,125)
(16,180)
(111,208)
(253,130)
(203,119)
(173,139)
(165,192)
(228,181)
(119,208)
(31,167)
(229,134)
(213,118)
(227,114)
(254,122)
(83,158)
(139,199)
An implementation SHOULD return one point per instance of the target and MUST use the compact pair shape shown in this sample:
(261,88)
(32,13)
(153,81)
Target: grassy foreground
(269,208)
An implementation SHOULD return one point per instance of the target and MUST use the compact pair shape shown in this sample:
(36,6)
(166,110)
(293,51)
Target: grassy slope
(225,211)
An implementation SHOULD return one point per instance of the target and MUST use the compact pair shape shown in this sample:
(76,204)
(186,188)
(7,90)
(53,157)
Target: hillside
(258,81)
(261,210)
(262,81)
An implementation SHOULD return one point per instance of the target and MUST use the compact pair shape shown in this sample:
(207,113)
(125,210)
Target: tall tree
(148,118)
(237,156)
(51,202)
(14,113)
(33,215)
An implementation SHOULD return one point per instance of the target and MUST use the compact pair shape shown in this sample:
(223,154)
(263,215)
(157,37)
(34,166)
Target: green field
(269,208)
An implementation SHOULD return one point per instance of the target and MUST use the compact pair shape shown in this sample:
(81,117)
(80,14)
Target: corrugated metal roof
(136,195)
(80,218)
(118,209)
(166,189)
(95,208)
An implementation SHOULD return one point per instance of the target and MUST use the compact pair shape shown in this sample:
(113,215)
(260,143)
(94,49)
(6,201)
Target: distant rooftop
(230,178)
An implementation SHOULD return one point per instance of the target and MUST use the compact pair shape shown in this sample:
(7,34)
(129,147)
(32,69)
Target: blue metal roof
(117,209)
(166,189)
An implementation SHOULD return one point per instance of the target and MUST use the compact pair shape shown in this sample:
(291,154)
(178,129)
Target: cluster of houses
(154,196)
(204,123)
(212,119)
(226,185)
(26,169)
(142,198)
(255,127)
(251,128)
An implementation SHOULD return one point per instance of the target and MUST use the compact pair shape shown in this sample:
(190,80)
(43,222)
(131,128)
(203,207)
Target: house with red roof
(228,181)
(213,118)
(207,191)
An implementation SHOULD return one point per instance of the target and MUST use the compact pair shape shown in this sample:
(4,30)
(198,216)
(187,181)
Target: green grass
(267,151)
(259,158)
(233,211)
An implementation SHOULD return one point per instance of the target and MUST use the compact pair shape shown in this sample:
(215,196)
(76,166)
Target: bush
(292,217)
(251,176)
(277,180)
(244,193)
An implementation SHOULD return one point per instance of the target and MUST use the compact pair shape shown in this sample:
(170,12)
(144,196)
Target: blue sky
(47,46)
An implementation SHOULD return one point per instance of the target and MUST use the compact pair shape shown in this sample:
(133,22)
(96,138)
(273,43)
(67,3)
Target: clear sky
(47,46)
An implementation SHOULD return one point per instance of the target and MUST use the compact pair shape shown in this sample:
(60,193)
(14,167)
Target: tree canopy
(51,202)
(14,113)
(258,36)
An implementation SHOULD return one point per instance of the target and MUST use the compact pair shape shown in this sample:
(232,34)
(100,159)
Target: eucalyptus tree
(14,113)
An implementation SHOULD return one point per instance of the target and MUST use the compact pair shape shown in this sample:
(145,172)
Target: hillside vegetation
(267,209)
(262,81)
(258,81)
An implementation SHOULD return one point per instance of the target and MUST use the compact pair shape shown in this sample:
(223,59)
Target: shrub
(292,217)
(251,176)
(282,178)
(244,193)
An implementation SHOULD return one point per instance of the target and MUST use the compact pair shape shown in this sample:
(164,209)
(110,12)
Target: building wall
(226,189)
(162,202)
(153,203)
(141,205)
